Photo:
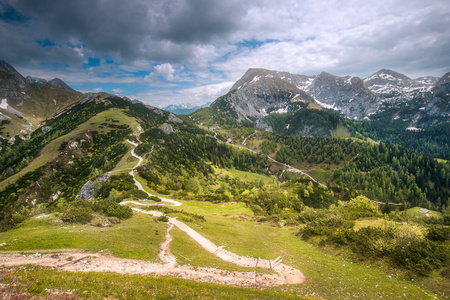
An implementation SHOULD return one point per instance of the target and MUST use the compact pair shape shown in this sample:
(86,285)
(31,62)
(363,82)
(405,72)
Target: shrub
(421,257)
(446,273)
(361,207)
(163,219)
(112,209)
(138,194)
(374,241)
(438,234)
(77,214)
(19,217)
(154,198)
(326,226)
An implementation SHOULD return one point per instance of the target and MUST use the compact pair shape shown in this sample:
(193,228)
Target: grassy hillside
(345,245)
(232,225)
(97,123)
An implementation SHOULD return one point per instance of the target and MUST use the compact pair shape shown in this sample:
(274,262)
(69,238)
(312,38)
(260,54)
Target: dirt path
(78,261)
(68,260)
(289,168)
(290,274)
(164,254)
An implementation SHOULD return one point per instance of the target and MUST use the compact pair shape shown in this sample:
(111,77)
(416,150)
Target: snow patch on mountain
(4,104)
(255,79)
(282,110)
(326,105)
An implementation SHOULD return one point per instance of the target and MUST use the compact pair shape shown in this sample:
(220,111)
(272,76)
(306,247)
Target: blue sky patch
(9,14)
(46,42)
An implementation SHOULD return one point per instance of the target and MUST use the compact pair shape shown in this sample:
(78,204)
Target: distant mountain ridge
(420,102)
(184,108)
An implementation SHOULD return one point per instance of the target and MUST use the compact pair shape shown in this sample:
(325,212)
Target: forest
(379,171)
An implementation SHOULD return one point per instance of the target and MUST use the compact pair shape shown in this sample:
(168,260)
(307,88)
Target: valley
(120,199)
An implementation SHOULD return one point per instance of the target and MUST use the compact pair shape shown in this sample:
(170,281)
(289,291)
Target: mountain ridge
(260,92)
(26,102)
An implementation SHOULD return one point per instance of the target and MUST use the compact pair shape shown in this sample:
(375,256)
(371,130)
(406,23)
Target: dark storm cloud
(209,42)
(124,29)
(198,20)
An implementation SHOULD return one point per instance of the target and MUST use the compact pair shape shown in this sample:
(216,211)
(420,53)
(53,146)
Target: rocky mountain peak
(347,94)
(387,77)
(10,80)
(7,67)
(251,76)
(443,84)
(60,83)
(444,79)
(35,80)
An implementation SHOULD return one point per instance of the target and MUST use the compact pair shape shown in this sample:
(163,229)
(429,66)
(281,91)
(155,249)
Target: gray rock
(174,119)
(260,92)
(166,128)
(45,129)
(87,190)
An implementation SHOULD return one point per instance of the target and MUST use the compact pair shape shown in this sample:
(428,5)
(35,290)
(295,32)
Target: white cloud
(166,71)
(117,91)
(208,92)
(195,95)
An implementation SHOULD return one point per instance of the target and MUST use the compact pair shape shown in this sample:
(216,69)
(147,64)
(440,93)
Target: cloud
(166,71)
(193,43)
(194,95)
(117,91)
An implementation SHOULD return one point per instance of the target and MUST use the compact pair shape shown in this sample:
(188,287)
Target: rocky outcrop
(166,128)
(174,119)
(88,189)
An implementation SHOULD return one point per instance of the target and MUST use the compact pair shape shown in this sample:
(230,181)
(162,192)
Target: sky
(166,52)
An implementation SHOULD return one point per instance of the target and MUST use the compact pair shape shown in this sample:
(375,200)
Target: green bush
(446,273)
(138,194)
(112,209)
(326,226)
(77,214)
(438,234)
(421,257)
(163,219)
(373,241)
(361,207)
(154,198)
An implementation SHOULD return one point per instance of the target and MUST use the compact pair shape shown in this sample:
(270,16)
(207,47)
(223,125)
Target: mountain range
(383,106)
(185,108)
(419,103)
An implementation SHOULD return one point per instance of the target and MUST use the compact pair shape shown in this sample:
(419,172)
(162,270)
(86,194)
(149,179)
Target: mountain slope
(261,92)
(26,102)
(422,102)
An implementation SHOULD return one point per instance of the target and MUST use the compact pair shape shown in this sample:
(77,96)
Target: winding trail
(288,168)
(72,260)
(290,274)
